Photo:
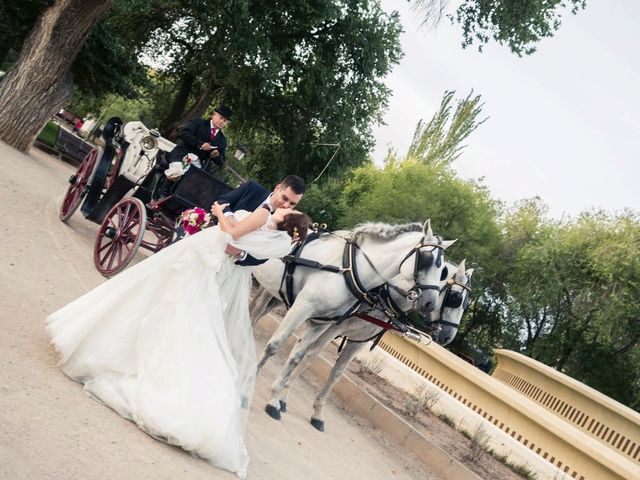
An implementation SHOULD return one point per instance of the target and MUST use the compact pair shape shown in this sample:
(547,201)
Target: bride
(168,343)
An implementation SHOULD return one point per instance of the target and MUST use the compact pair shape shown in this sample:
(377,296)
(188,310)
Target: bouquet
(194,220)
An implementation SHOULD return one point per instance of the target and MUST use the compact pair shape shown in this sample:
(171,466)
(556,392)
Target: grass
(479,445)
(423,398)
(371,365)
(49,134)
(448,420)
(521,470)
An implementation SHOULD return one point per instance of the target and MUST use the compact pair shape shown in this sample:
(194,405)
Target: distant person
(88,123)
(204,138)
(77,125)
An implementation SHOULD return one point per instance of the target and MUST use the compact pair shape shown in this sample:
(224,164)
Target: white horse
(369,256)
(444,320)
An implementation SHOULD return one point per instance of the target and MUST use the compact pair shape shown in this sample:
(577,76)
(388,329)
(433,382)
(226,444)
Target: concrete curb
(361,403)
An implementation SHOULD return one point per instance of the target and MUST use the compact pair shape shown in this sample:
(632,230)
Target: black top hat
(225,111)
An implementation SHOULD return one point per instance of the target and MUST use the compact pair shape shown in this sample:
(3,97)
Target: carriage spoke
(131,226)
(126,218)
(106,245)
(110,246)
(112,223)
(78,186)
(112,256)
(121,234)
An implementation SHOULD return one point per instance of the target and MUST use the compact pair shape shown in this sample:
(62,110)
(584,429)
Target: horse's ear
(469,272)
(461,267)
(426,229)
(447,243)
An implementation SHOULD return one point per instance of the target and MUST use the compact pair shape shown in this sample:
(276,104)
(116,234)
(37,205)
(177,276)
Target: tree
(571,295)
(106,65)
(518,25)
(17,17)
(301,74)
(440,140)
(40,82)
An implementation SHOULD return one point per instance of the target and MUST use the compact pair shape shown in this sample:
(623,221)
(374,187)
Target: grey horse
(409,258)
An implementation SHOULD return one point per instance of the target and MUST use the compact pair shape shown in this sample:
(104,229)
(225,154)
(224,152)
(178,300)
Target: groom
(251,195)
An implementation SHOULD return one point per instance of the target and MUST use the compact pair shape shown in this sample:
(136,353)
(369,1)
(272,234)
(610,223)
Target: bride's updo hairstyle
(295,224)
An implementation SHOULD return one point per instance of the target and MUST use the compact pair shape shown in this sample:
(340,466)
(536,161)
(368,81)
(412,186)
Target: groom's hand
(217,209)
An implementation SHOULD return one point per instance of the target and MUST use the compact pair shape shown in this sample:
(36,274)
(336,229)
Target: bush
(49,134)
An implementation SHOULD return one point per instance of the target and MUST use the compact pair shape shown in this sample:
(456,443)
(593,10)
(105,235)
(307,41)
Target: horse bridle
(448,302)
(416,291)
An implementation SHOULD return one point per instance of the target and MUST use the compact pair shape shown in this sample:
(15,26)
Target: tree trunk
(40,82)
(179,103)
(196,110)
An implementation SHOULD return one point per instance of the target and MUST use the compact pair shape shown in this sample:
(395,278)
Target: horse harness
(454,299)
(377,298)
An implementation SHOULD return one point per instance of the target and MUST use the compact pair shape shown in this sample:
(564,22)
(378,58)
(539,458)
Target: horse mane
(382,231)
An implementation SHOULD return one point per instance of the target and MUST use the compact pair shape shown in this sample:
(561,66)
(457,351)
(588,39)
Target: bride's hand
(217,209)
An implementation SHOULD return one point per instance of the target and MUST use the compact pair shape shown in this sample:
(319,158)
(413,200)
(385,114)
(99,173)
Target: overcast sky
(564,122)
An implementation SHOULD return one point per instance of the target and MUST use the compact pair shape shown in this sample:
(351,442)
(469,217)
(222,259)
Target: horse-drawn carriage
(124,189)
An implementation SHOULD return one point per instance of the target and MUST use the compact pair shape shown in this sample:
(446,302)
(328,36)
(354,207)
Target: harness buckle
(413,295)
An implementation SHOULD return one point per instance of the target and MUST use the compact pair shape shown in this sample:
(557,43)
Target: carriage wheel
(78,186)
(114,170)
(120,236)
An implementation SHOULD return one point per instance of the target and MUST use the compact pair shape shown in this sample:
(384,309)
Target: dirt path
(51,429)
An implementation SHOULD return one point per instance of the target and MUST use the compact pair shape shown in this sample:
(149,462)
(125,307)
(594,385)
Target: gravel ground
(51,429)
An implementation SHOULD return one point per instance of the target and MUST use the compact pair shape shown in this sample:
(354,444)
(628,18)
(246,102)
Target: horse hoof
(272,411)
(283,407)
(318,424)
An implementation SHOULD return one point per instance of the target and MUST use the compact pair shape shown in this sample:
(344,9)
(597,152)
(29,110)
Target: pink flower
(194,219)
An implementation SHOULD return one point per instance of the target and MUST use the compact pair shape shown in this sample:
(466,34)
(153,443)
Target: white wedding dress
(168,343)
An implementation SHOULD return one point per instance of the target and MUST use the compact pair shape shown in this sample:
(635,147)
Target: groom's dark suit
(248,196)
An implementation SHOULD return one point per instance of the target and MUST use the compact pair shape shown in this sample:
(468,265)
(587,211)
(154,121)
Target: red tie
(213,133)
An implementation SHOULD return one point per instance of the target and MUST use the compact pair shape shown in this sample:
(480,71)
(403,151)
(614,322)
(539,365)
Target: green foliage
(129,110)
(448,420)
(17,17)
(440,140)
(519,25)
(105,66)
(49,134)
(296,74)
(319,81)
(412,192)
(321,201)
(572,295)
